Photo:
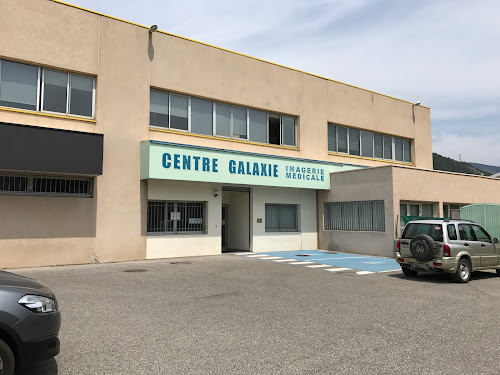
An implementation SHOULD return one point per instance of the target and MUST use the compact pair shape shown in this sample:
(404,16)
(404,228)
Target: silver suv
(458,247)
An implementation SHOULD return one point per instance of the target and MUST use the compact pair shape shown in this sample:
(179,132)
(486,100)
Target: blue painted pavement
(353,261)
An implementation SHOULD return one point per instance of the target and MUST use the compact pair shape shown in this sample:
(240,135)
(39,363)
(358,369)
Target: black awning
(36,149)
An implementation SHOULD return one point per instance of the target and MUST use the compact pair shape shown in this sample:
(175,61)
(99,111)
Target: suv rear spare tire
(423,248)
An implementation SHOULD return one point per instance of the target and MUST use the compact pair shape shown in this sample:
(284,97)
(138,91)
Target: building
(120,143)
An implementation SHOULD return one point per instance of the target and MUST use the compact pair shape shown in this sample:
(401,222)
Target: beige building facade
(122,144)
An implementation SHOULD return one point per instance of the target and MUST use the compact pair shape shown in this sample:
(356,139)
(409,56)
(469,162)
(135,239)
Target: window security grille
(176,217)
(13,184)
(355,216)
(50,186)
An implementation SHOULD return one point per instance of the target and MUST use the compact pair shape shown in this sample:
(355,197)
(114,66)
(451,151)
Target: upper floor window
(352,141)
(41,89)
(207,117)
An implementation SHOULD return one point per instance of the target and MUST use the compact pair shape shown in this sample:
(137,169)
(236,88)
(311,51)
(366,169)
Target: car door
(467,243)
(483,239)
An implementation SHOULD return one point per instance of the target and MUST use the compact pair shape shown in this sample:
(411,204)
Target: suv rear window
(414,229)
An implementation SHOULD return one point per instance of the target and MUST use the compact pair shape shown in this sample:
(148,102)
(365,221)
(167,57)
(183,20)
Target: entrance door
(224,227)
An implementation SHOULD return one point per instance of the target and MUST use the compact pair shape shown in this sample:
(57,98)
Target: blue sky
(444,53)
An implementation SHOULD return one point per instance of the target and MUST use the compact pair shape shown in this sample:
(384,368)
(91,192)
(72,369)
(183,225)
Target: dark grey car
(29,323)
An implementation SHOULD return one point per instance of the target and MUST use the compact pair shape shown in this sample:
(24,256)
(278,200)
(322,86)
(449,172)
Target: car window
(465,231)
(452,232)
(481,234)
(414,229)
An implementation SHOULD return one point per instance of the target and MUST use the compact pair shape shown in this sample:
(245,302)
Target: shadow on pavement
(442,277)
(46,368)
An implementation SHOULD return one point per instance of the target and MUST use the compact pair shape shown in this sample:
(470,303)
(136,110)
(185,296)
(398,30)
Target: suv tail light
(398,246)
(446,251)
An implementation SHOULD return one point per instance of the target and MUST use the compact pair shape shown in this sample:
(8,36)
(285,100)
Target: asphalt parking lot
(232,314)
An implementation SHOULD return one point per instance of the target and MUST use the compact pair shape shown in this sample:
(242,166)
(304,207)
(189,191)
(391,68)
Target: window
(466,233)
(281,218)
(481,234)
(414,229)
(258,126)
(50,186)
(415,209)
(39,89)
(355,216)
(200,116)
(354,148)
(452,232)
(368,144)
(18,85)
(166,217)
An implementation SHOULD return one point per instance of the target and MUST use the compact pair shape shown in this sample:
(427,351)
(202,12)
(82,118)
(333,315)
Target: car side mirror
(495,240)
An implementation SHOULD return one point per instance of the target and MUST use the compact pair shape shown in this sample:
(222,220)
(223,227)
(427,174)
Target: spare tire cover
(423,248)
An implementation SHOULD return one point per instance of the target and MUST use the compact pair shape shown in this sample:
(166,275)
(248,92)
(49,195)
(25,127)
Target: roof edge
(230,51)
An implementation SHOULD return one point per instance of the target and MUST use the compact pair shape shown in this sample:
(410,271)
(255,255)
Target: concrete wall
(395,184)
(304,239)
(360,185)
(126,63)
(176,245)
(29,226)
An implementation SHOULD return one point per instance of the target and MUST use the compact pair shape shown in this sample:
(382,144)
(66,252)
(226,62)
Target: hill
(442,163)
(487,168)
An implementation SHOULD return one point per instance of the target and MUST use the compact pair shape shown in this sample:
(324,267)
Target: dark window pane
(288,130)
(378,146)
(407,150)
(222,120)
(18,85)
(158,108)
(201,116)
(81,88)
(388,147)
(178,112)
(367,144)
(55,91)
(398,143)
(258,126)
(354,142)
(452,232)
(341,139)
(332,138)
(239,123)
(274,129)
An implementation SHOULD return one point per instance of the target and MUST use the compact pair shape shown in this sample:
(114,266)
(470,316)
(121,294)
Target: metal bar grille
(13,184)
(52,186)
(355,216)
(176,217)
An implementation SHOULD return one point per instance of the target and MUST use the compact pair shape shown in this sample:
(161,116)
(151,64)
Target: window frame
(384,141)
(215,103)
(176,231)
(279,229)
(40,91)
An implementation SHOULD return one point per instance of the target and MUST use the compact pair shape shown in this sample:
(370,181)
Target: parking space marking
(330,261)
(319,266)
(302,262)
(338,269)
